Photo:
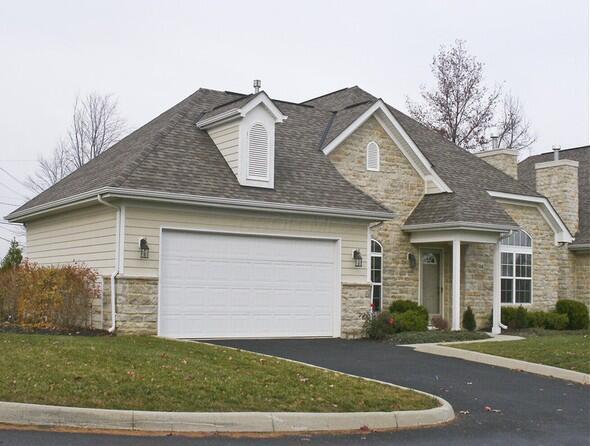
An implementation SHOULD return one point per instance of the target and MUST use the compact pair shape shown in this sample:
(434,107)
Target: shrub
(548,320)
(413,320)
(379,326)
(401,306)
(514,318)
(577,313)
(469,319)
(49,296)
(556,321)
(439,323)
(13,257)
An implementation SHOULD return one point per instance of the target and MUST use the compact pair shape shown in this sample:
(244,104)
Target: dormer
(244,132)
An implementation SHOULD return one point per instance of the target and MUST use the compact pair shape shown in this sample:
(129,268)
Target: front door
(430,280)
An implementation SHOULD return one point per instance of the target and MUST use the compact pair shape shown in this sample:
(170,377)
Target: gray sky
(152,54)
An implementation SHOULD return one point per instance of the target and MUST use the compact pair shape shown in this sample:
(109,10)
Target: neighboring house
(235,215)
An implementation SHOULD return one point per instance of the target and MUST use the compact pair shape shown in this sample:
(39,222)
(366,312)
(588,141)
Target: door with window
(431,280)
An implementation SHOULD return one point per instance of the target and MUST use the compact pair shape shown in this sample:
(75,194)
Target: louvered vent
(372,156)
(258,152)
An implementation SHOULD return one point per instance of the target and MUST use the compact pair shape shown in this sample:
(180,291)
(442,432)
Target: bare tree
(513,128)
(96,125)
(460,106)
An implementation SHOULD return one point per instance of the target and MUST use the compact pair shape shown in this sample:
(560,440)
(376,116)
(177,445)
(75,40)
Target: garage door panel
(224,285)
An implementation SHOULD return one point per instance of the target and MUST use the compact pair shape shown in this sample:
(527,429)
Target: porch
(457,269)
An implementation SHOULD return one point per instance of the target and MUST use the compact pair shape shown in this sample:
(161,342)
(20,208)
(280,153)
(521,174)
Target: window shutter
(372,156)
(258,152)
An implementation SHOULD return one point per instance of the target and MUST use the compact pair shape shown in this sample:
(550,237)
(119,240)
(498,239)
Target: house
(237,215)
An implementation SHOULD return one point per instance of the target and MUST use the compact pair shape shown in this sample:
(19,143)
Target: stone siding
(502,159)
(477,280)
(355,302)
(558,181)
(398,187)
(582,266)
(550,280)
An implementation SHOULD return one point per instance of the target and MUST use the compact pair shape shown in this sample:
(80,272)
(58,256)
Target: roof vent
(257,85)
(556,149)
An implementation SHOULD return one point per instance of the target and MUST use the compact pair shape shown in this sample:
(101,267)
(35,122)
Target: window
(376,274)
(516,268)
(372,156)
(258,152)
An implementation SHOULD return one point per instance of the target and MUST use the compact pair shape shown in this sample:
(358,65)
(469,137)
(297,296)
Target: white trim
(441,272)
(451,234)
(371,255)
(420,163)
(496,290)
(235,113)
(458,225)
(337,318)
(230,203)
(456,295)
(562,233)
(378,160)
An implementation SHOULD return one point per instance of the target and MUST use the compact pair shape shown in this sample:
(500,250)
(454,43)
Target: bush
(469,319)
(577,313)
(514,318)
(48,296)
(547,320)
(413,320)
(379,326)
(439,322)
(401,306)
(556,321)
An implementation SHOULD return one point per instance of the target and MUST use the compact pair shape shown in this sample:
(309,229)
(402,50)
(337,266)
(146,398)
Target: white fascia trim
(379,105)
(232,203)
(562,233)
(459,225)
(238,113)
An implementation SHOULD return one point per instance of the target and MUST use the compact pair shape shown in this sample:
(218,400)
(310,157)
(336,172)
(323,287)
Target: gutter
(180,198)
(115,273)
(465,225)
(580,247)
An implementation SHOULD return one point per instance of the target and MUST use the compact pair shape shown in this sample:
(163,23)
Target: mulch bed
(8,327)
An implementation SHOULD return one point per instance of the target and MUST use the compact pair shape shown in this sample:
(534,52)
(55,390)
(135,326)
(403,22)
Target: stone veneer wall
(502,159)
(582,267)
(137,306)
(558,181)
(477,277)
(354,303)
(398,187)
(552,268)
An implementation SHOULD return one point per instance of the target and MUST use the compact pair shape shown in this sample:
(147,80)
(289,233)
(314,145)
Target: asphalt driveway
(525,409)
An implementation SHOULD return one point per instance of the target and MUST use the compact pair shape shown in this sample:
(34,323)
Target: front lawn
(566,350)
(147,373)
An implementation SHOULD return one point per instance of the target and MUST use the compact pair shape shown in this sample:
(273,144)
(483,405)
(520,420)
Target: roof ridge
(324,95)
(327,129)
(358,103)
(229,102)
(549,153)
(172,123)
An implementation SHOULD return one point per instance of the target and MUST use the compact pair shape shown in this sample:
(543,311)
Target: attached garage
(226,285)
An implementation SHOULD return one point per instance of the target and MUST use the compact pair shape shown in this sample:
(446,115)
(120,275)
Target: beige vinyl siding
(226,138)
(146,222)
(84,236)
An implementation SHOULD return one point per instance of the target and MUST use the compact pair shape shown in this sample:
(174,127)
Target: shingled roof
(527,174)
(170,154)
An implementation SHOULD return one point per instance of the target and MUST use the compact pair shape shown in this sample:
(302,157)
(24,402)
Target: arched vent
(372,156)
(258,152)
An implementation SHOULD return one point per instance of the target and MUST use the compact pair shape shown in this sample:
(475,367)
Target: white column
(456,304)
(496,311)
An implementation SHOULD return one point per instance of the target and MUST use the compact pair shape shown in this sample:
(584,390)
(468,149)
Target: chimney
(558,181)
(257,85)
(502,159)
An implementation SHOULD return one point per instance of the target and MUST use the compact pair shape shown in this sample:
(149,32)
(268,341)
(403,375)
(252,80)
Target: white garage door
(232,286)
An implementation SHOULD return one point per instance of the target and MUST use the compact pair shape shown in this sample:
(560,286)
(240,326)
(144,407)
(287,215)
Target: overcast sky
(152,54)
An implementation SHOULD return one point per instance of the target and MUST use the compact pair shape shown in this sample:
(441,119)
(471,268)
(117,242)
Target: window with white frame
(516,268)
(372,156)
(376,275)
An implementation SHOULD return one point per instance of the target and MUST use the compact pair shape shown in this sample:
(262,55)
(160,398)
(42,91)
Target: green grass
(147,373)
(423,337)
(568,351)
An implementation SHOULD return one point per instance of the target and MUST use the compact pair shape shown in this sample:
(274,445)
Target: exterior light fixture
(144,249)
(412,260)
(358,258)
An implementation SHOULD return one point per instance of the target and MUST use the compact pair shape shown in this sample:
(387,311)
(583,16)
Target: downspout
(115,273)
